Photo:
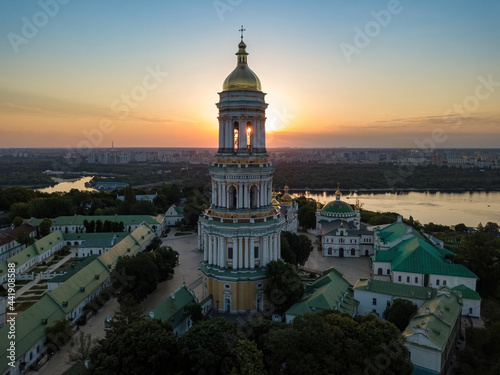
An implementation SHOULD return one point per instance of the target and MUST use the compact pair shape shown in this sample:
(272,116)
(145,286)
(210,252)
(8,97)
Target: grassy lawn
(182,233)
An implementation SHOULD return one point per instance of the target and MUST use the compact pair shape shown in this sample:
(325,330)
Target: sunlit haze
(336,73)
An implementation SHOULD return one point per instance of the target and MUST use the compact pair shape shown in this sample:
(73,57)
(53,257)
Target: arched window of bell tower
(253,196)
(249,136)
(236,130)
(232,197)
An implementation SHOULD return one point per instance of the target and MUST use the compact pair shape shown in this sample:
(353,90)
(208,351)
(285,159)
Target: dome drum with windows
(337,208)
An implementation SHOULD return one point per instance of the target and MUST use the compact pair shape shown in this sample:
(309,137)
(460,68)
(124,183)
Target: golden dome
(275,202)
(242,77)
(338,193)
(286,198)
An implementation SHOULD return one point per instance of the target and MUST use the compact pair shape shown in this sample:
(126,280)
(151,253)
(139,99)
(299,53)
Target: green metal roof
(128,246)
(78,287)
(30,328)
(74,269)
(58,303)
(416,255)
(91,236)
(172,309)
(329,292)
(467,293)
(395,231)
(179,210)
(437,317)
(38,248)
(395,289)
(337,207)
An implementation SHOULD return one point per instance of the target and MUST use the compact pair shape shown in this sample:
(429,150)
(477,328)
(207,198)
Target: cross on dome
(242,30)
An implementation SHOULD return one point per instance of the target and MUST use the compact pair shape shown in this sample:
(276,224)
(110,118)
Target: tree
(89,226)
(245,359)
(98,226)
(491,227)
(21,209)
(361,345)
(461,228)
(45,226)
(14,195)
(165,259)
(18,221)
(142,272)
(286,252)
(285,285)
(194,312)
(145,347)
(295,249)
(479,252)
(24,238)
(143,208)
(307,212)
(129,195)
(130,312)
(106,226)
(208,344)
(400,312)
(58,334)
(83,346)
(196,202)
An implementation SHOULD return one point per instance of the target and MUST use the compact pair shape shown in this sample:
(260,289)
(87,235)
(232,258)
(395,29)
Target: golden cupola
(242,77)
(286,199)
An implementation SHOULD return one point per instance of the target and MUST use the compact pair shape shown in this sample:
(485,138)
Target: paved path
(187,271)
(351,268)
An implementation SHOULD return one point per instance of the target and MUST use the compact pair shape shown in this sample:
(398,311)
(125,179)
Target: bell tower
(240,232)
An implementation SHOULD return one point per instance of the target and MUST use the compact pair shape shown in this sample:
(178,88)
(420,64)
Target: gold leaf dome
(286,197)
(242,77)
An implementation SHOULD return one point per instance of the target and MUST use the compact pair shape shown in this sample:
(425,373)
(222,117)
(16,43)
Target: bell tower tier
(240,232)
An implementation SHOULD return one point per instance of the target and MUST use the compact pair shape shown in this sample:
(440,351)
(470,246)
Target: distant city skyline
(368,74)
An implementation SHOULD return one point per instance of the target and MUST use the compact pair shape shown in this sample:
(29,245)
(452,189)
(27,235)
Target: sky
(415,74)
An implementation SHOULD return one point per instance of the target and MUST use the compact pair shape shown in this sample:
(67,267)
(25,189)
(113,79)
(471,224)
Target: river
(65,186)
(440,208)
(470,208)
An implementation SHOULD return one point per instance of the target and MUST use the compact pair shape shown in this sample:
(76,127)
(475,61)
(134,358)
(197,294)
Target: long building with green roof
(74,224)
(329,292)
(33,254)
(432,332)
(374,296)
(66,301)
(403,255)
(172,309)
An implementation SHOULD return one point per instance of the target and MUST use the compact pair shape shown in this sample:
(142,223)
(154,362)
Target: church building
(240,232)
(341,231)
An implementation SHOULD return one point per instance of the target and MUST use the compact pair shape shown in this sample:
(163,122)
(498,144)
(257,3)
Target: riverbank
(394,190)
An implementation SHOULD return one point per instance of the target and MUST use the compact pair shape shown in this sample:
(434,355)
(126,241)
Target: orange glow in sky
(151,74)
